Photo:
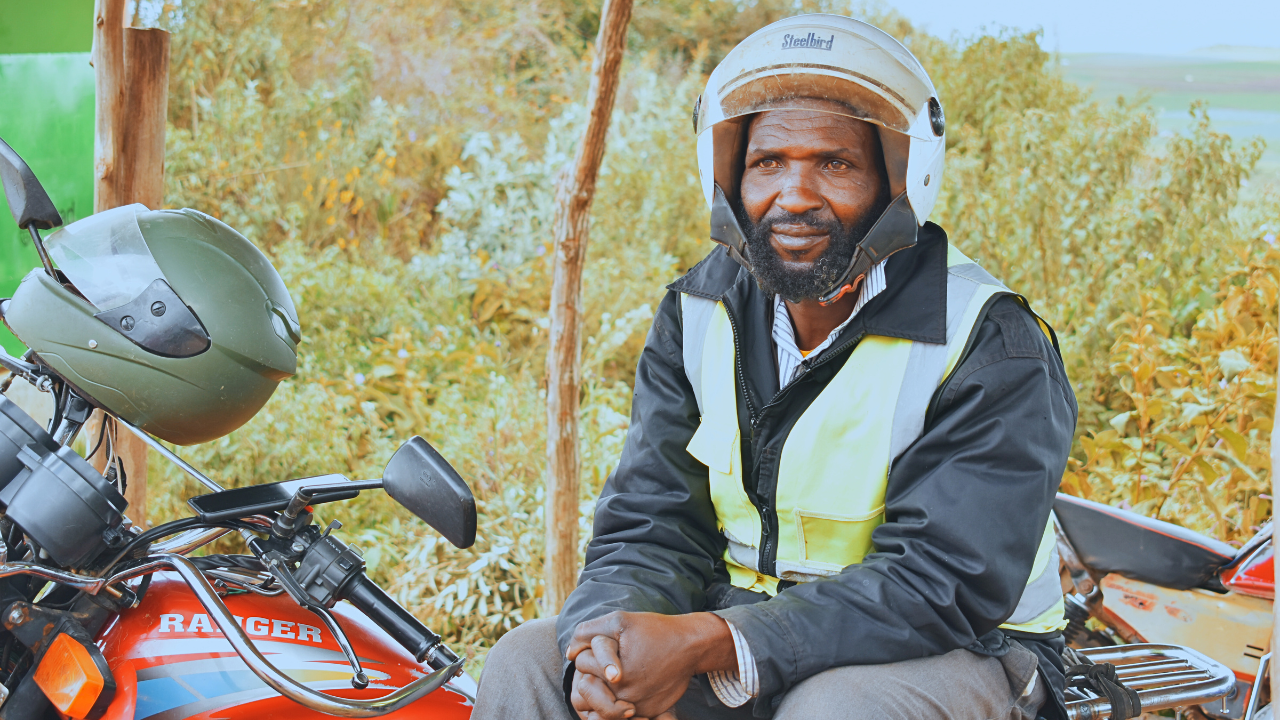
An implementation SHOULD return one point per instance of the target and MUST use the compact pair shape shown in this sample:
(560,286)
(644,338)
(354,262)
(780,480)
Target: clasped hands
(635,666)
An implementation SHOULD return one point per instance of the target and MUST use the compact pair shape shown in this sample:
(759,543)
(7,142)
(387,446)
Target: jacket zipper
(767,561)
(766,543)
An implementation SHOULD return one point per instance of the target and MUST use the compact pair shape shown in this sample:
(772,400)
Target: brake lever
(280,570)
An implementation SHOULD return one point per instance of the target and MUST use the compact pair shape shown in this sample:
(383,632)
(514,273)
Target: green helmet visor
(106,257)
(107,260)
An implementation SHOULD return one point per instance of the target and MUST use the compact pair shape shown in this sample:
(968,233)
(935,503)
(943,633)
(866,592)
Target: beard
(796,282)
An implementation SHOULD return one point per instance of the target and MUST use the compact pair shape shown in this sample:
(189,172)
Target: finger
(600,698)
(575,698)
(587,664)
(605,650)
(605,625)
(580,704)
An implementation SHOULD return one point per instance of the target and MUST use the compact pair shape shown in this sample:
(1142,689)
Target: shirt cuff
(735,689)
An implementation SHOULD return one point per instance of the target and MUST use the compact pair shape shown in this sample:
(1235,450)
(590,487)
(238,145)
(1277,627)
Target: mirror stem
(285,524)
(44,254)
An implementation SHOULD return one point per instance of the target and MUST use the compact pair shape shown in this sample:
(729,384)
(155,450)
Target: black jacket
(965,505)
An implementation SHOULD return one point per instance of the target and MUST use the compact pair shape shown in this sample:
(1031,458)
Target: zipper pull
(764,520)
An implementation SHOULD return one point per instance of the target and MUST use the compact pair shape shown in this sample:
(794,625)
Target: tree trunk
(131,68)
(146,60)
(575,189)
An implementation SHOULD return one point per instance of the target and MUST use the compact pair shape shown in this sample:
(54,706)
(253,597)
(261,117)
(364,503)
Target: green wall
(46,116)
(45,26)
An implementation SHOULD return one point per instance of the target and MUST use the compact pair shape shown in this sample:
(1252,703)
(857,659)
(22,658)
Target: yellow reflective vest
(835,464)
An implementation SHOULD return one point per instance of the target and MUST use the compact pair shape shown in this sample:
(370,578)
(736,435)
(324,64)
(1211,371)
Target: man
(835,494)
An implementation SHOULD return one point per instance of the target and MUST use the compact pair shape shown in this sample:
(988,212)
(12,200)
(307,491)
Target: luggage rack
(1165,677)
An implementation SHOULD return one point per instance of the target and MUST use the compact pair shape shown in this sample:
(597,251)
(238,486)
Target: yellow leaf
(1239,443)
(1206,470)
(1175,443)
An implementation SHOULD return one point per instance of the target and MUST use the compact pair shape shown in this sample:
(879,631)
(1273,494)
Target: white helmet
(790,64)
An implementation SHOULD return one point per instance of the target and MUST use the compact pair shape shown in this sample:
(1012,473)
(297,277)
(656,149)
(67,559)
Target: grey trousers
(522,679)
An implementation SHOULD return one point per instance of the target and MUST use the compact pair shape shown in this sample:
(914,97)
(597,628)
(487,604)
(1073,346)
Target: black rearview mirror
(29,203)
(424,482)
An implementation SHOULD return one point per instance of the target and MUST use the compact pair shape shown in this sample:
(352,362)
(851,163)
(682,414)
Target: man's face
(813,185)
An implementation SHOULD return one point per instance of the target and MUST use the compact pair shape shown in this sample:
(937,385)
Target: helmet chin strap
(725,230)
(895,230)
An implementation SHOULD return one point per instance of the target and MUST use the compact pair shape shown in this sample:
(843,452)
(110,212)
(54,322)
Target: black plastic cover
(897,229)
(63,504)
(1111,540)
(725,230)
(424,482)
(29,203)
(259,499)
(18,430)
(158,321)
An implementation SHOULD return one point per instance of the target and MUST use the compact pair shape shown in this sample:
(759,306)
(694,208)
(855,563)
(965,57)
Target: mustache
(809,218)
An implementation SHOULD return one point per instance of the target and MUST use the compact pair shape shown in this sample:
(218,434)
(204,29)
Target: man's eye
(838,165)
(769,163)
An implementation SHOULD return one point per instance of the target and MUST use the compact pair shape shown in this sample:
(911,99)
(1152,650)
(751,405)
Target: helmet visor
(106,257)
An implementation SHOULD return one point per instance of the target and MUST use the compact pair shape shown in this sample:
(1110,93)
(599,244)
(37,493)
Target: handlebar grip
(387,613)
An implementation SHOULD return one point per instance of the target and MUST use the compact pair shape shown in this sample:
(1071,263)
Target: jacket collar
(913,305)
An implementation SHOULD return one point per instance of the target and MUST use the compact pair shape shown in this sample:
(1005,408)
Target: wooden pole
(575,189)
(109,80)
(131,68)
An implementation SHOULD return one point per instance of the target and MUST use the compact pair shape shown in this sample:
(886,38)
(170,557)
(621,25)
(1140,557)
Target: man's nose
(798,194)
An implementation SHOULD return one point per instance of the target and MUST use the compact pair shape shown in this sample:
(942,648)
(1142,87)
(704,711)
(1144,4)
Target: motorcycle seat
(1111,540)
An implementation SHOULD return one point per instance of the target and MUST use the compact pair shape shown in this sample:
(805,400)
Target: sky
(1147,27)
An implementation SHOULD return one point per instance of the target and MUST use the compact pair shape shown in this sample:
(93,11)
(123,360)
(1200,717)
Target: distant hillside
(1241,85)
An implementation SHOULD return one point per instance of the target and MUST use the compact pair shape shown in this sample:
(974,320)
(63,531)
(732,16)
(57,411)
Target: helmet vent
(937,120)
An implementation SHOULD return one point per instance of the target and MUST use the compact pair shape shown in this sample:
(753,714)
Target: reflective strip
(1050,621)
(925,370)
(695,316)
(1044,590)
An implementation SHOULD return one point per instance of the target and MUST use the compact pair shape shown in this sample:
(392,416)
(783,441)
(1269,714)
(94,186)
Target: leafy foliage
(397,160)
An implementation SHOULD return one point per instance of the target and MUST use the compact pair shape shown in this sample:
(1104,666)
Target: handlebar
(287,686)
(399,624)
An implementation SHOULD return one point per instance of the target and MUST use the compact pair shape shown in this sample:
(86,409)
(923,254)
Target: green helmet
(170,320)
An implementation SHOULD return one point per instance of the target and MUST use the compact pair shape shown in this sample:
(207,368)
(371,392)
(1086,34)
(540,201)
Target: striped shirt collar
(784,335)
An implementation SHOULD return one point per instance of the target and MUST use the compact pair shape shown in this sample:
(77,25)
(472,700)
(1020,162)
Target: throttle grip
(399,624)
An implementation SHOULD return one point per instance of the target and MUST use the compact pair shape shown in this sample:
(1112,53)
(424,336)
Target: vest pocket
(833,542)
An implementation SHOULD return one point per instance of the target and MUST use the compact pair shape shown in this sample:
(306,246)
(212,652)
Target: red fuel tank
(170,662)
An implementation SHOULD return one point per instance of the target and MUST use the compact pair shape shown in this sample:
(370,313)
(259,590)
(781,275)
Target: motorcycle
(1144,580)
(103,620)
